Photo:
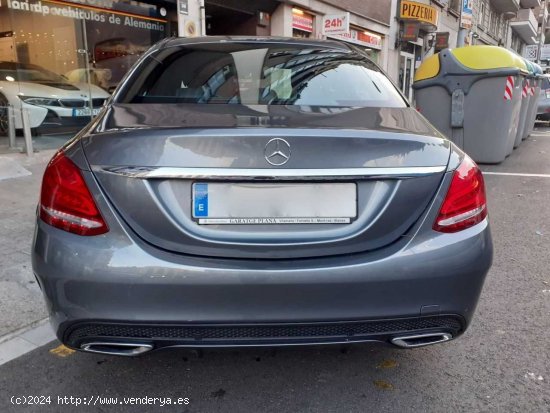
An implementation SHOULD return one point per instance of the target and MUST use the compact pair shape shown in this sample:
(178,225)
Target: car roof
(183,41)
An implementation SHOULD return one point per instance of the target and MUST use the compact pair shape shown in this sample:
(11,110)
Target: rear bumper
(258,334)
(116,280)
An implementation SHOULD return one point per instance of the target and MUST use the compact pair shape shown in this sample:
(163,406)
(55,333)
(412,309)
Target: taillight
(65,200)
(465,204)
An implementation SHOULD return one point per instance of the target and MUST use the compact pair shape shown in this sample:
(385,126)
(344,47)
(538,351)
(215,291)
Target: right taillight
(465,204)
(65,200)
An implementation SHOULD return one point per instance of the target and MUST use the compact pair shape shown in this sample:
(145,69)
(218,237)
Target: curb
(29,338)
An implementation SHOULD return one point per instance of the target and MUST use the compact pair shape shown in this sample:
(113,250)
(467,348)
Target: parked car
(543,109)
(50,99)
(249,191)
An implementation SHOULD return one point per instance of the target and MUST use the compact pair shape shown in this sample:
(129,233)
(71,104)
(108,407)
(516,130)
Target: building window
(516,43)
(487,16)
(454,5)
(494,24)
(482,13)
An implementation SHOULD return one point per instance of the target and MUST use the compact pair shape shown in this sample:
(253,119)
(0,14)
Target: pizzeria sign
(424,13)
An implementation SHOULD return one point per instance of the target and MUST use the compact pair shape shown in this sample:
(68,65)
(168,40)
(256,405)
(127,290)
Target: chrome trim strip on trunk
(269,174)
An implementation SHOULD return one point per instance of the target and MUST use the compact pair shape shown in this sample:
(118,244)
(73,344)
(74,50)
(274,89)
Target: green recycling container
(526,99)
(533,101)
(473,96)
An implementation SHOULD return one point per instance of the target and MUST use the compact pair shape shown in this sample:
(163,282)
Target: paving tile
(14,348)
(39,335)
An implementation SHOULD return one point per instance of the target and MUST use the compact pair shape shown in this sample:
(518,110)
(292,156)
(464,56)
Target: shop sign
(336,24)
(183,6)
(361,37)
(410,31)
(190,28)
(441,41)
(86,12)
(411,10)
(531,52)
(302,21)
(466,17)
(545,52)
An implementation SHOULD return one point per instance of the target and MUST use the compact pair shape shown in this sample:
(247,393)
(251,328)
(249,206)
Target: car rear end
(255,192)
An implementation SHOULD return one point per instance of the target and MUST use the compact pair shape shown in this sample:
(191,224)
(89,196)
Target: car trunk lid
(377,168)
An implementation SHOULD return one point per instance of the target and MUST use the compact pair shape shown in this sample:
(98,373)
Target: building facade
(97,41)
(105,37)
(510,23)
(514,24)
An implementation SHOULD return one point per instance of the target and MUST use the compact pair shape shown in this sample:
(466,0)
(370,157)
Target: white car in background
(51,100)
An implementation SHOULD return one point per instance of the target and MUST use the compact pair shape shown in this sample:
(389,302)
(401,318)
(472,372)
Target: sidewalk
(21,302)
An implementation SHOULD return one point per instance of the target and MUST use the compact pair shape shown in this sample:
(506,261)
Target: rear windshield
(260,74)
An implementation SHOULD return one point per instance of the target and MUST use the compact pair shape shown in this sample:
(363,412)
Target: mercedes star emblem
(277,152)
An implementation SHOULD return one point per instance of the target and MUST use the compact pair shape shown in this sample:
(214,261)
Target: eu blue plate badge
(200,200)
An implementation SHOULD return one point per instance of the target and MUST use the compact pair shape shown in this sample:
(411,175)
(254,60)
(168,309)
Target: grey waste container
(473,96)
(533,101)
(526,100)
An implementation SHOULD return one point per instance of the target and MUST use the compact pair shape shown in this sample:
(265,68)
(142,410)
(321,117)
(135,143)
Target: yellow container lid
(428,69)
(488,57)
(475,58)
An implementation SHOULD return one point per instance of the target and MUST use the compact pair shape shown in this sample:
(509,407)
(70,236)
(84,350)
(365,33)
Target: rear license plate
(85,112)
(270,203)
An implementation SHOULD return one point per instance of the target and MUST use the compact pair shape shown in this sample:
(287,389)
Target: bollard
(11,127)
(27,132)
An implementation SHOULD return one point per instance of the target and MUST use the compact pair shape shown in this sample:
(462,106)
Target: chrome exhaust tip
(116,349)
(420,340)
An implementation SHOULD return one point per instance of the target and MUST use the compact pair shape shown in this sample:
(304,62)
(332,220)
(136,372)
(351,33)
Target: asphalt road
(501,364)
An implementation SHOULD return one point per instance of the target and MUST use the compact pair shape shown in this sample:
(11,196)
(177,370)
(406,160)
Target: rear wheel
(4,116)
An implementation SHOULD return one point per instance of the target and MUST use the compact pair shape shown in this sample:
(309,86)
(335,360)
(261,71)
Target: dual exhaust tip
(117,349)
(130,349)
(420,340)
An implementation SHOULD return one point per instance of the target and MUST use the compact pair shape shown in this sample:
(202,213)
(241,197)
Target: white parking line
(517,174)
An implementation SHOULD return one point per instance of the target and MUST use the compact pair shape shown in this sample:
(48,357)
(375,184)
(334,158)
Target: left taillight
(65,200)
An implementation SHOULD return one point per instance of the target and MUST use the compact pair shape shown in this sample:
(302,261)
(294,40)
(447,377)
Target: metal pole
(87,66)
(27,132)
(11,126)
(542,30)
(460,34)
(202,16)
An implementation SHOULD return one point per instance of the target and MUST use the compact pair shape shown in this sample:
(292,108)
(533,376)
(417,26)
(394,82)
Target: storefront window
(59,61)
(302,23)
(370,42)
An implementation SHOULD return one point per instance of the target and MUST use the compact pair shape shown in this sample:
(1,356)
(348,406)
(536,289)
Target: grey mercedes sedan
(259,191)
